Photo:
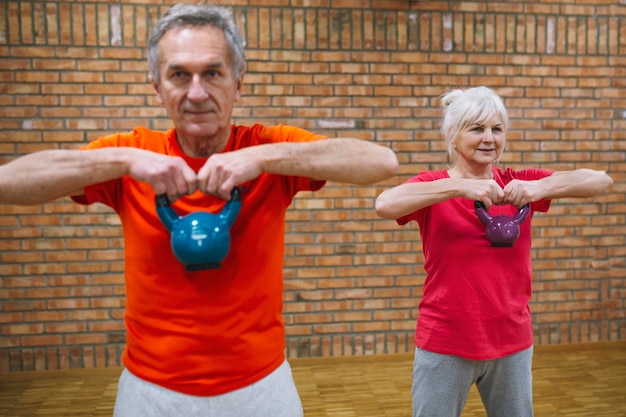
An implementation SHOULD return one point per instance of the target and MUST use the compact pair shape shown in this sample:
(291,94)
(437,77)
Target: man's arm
(351,161)
(344,160)
(43,176)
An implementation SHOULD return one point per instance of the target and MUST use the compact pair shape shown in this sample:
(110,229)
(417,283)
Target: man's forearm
(351,161)
(43,176)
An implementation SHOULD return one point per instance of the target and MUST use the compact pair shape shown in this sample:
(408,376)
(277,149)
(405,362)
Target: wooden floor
(574,381)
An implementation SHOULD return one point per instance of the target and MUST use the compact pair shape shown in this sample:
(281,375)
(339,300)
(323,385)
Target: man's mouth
(198,112)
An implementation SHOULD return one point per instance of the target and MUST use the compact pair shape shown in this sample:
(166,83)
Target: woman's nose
(488,135)
(196,91)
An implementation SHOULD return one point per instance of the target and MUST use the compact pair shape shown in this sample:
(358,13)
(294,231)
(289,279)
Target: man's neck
(202,147)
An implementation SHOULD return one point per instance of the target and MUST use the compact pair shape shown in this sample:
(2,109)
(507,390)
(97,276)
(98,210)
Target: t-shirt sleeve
(102,192)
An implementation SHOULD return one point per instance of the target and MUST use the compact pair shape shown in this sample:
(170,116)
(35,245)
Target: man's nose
(197,90)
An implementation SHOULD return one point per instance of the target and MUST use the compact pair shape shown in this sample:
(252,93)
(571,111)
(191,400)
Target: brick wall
(71,71)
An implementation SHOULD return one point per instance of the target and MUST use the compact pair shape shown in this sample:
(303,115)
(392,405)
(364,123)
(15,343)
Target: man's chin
(203,127)
(196,132)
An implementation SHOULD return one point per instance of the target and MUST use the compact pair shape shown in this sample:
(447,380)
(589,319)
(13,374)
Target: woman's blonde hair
(462,108)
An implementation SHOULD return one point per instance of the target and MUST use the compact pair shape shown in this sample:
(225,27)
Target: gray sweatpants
(273,396)
(441,384)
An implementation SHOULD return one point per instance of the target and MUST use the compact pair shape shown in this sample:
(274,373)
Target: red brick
(382,71)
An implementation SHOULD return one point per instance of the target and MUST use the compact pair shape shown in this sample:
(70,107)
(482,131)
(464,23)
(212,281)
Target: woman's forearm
(579,183)
(407,198)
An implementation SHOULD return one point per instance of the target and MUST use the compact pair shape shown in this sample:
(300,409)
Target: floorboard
(573,381)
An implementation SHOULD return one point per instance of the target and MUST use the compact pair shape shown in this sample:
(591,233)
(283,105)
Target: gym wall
(72,71)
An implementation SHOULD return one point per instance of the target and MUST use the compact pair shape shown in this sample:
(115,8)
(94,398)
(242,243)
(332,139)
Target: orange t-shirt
(213,331)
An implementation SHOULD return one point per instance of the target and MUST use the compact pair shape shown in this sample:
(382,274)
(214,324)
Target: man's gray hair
(184,15)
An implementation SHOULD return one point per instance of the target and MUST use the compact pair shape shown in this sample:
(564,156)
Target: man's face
(197,87)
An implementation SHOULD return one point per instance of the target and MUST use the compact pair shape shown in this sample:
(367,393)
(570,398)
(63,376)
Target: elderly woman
(474,322)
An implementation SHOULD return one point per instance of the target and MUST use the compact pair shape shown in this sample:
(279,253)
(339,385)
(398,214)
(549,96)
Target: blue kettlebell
(501,231)
(200,240)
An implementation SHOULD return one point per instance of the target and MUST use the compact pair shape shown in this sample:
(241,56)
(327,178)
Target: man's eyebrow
(176,66)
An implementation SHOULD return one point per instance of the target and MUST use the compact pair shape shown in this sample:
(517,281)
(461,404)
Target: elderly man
(208,342)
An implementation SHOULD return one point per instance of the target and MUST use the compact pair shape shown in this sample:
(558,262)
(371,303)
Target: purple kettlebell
(502,231)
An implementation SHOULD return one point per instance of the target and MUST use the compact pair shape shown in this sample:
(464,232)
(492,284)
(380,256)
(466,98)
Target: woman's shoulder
(429,176)
(527,174)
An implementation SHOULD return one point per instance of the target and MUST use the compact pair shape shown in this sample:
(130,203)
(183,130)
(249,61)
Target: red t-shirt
(475,297)
(213,331)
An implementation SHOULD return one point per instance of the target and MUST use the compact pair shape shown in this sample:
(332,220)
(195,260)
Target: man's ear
(239,88)
(157,92)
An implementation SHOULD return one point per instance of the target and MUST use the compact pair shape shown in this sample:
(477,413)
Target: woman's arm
(409,197)
(579,183)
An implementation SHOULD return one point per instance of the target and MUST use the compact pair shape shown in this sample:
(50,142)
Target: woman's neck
(459,172)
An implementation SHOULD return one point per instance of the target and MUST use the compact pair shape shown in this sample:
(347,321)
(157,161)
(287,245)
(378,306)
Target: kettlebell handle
(235,194)
(485,217)
(163,201)
(168,216)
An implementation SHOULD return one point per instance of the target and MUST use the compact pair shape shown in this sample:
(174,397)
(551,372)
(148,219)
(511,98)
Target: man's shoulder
(139,137)
(144,133)
(261,133)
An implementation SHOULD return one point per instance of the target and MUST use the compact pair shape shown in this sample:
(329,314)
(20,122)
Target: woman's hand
(488,192)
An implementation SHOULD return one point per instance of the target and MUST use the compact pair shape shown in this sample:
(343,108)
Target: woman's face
(481,144)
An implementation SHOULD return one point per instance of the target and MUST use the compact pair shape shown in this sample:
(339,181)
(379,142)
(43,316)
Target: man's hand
(166,174)
(223,171)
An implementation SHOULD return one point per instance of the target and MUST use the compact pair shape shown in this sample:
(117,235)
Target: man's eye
(178,76)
